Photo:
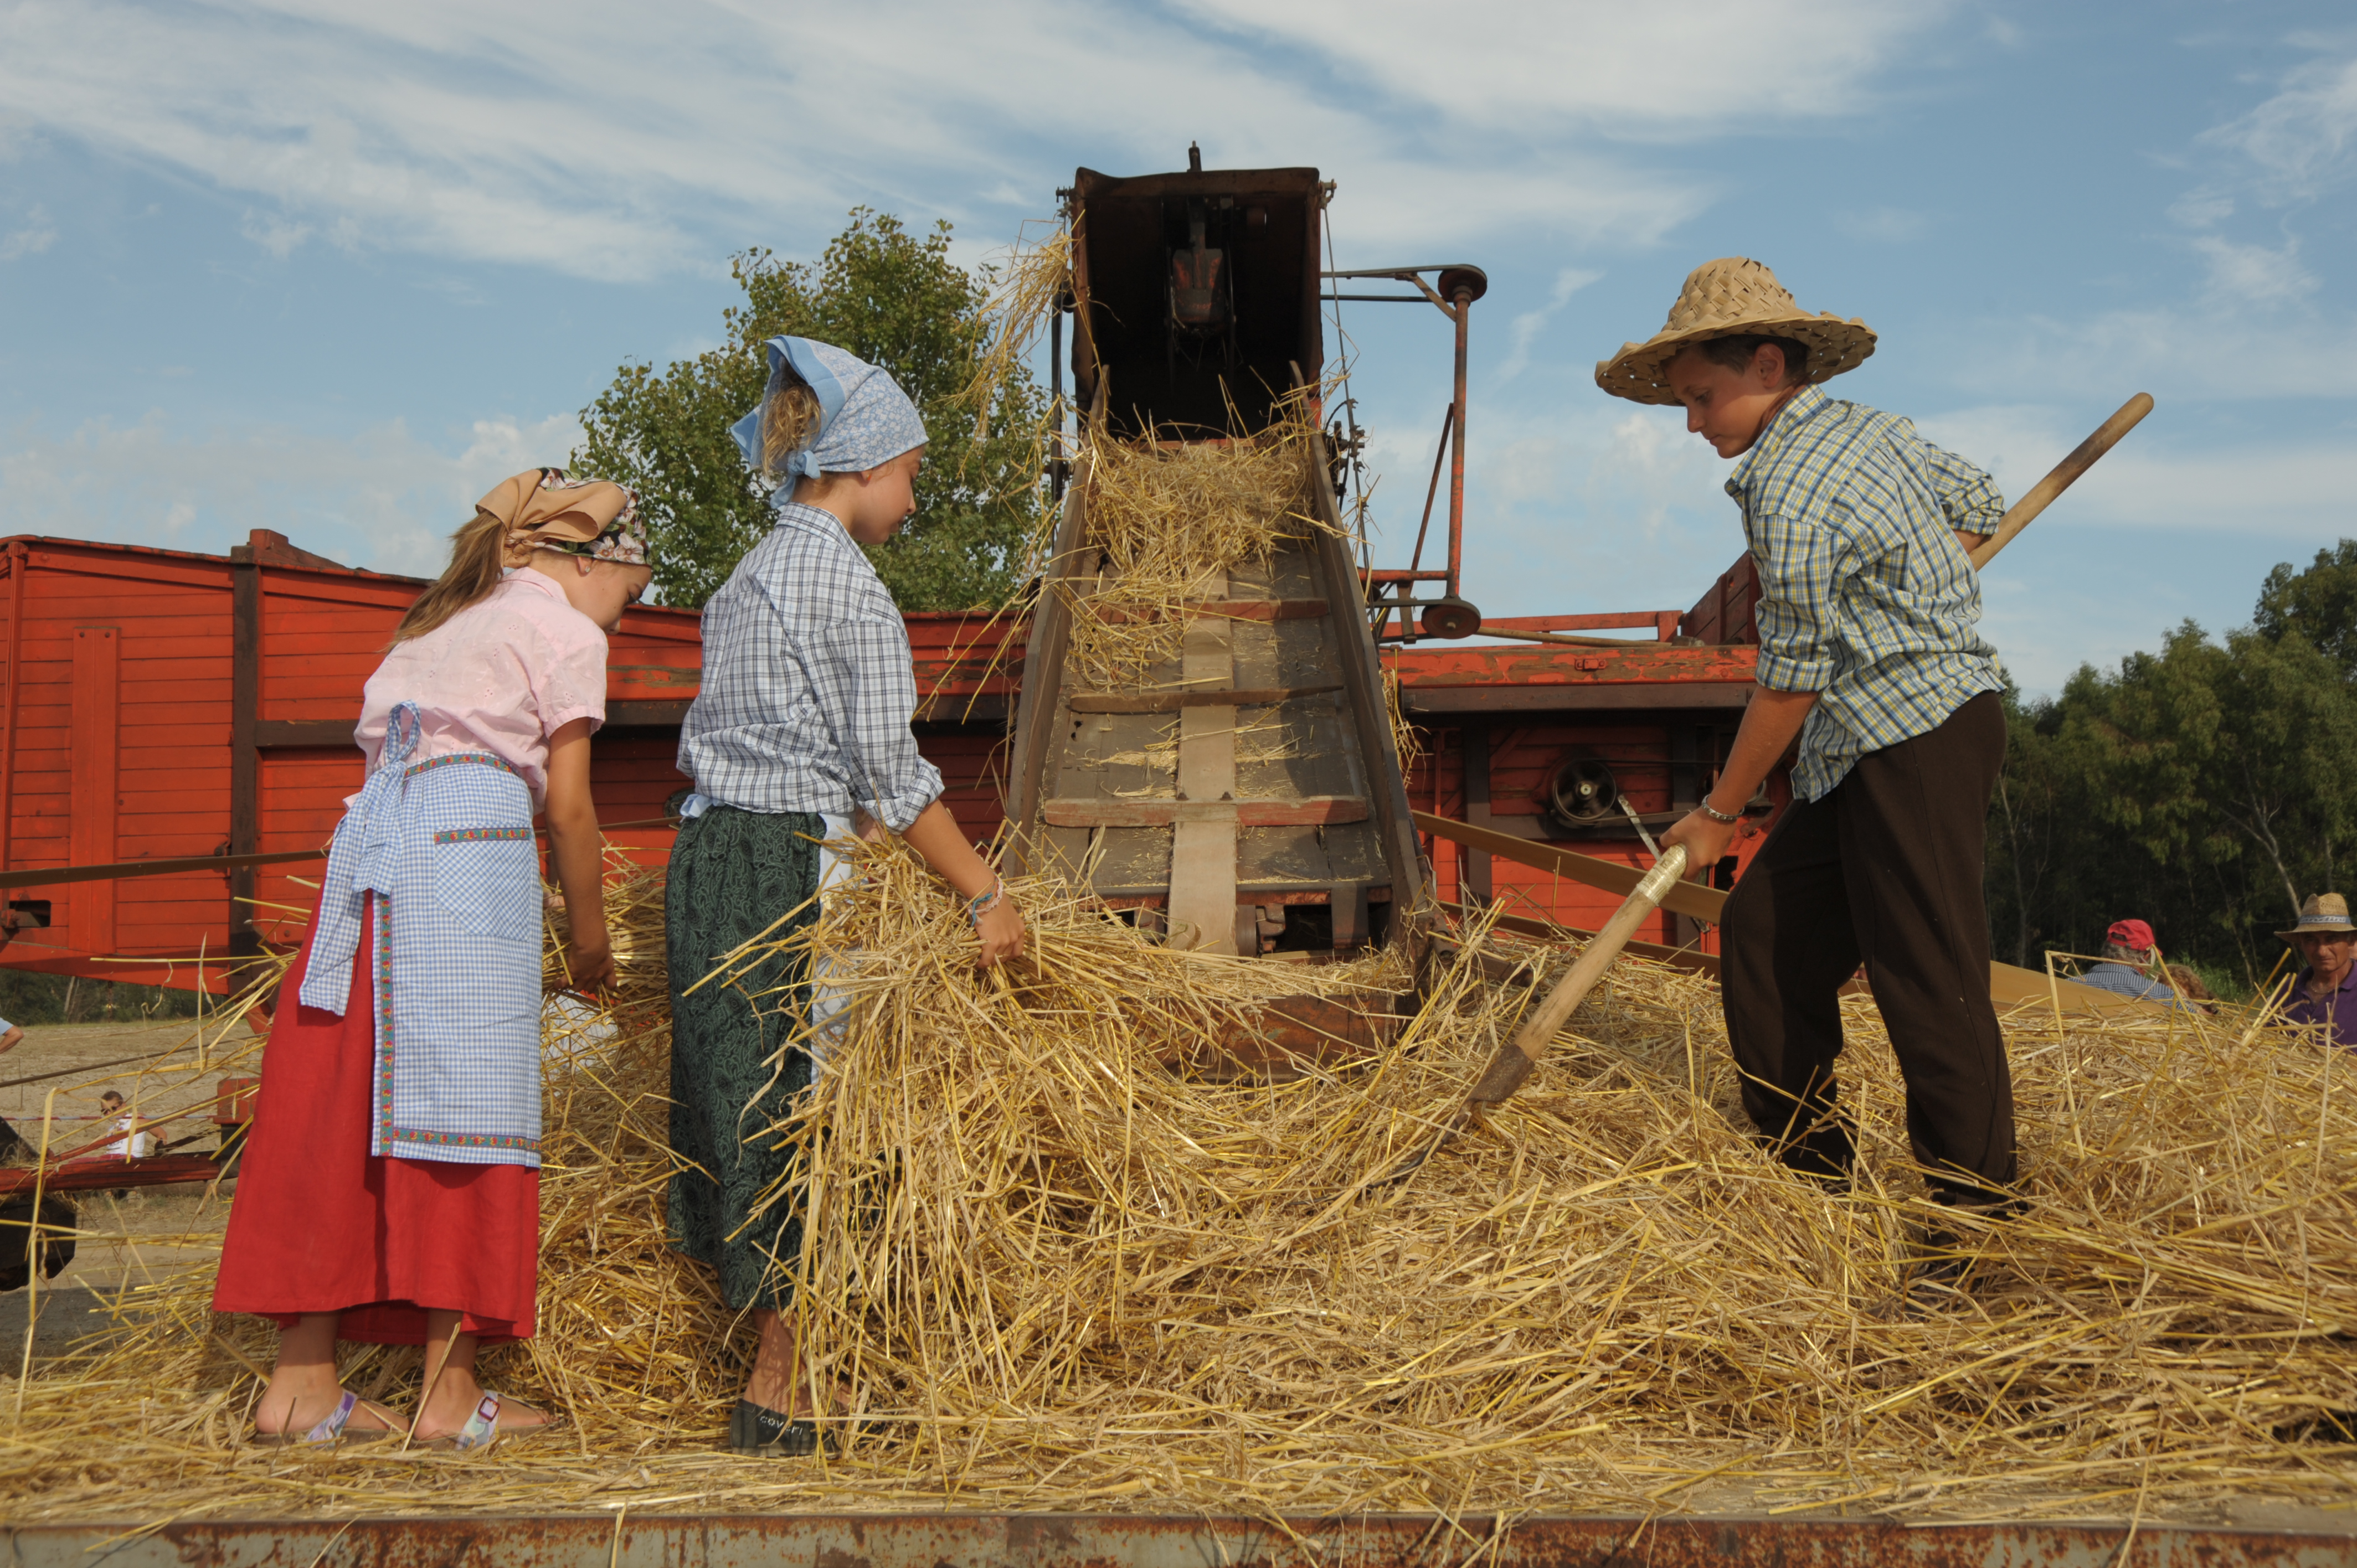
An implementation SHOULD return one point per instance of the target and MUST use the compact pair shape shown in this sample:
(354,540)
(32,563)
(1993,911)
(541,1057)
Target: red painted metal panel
(97,739)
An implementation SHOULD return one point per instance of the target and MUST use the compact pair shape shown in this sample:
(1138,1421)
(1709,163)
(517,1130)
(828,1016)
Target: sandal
(482,1427)
(756,1429)
(332,1429)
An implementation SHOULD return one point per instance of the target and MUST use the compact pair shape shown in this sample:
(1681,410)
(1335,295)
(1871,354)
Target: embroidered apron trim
(479,836)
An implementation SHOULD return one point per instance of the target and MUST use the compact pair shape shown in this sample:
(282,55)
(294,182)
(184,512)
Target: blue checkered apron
(443,851)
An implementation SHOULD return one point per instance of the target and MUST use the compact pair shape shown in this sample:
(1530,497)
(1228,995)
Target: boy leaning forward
(1870,657)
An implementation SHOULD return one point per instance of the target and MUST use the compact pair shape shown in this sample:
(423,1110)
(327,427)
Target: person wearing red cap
(2127,969)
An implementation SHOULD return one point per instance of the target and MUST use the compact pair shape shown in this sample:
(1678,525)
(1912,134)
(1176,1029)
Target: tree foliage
(2208,788)
(892,297)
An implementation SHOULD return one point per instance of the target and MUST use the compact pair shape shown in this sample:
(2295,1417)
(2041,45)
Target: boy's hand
(591,961)
(1001,929)
(1706,838)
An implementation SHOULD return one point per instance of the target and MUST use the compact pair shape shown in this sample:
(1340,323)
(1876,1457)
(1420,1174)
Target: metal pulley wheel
(1583,792)
(1449,617)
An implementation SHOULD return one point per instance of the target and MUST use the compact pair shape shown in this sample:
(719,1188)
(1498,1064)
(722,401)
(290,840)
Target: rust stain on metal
(1148,1540)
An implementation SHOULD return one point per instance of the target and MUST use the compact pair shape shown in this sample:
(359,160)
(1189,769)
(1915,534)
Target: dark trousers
(1885,870)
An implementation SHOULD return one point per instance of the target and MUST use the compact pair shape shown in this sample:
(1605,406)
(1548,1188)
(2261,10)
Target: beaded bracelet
(977,908)
(1715,815)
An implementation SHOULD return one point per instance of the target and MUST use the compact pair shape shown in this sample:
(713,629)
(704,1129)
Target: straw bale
(1050,1272)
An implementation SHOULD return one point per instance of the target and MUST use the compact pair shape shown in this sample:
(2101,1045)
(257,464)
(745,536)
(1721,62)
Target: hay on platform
(1168,518)
(1053,1273)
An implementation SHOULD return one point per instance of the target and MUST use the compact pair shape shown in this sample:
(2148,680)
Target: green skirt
(732,874)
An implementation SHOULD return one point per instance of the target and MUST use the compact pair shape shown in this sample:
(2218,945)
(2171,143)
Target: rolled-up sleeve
(866,686)
(1799,567)
(1968,495)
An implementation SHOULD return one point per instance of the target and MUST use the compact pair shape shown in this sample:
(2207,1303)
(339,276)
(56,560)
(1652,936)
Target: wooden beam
(1576,696)
(1180,702)
(1310,811)
(1202,909)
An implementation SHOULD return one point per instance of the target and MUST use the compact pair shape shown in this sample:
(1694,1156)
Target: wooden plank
(1180,702)
(1203,819)
(1574,697)
(97,742)
(245,756)
(279,734)
(1684,898)
(1316,810)
(1227,609)
(1036,709)
(1363,682)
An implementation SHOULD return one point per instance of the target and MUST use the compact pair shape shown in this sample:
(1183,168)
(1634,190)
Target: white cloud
(2253,274)
(381,499)
(273,233)
(37,235)
(1531,323)
(1677,71)
(611,140)
(2302,139)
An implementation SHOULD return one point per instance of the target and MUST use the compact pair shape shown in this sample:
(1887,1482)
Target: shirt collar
(1803,406)
(801,514)
(531,579)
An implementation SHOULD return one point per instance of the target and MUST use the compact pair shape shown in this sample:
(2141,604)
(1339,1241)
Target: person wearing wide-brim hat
(1870,657)
(2327,992)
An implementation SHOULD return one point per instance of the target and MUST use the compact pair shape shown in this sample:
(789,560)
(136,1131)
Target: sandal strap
(481,1426)
(328,1429)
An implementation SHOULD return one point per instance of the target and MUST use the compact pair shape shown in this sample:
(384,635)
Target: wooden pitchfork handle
(2081,458)
(1517,1056)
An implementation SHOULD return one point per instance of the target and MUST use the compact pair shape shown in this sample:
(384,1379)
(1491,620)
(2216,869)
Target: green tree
(892,297)
(2320,604)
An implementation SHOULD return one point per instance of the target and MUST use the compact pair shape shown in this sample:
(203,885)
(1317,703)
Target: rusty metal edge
(952,1540)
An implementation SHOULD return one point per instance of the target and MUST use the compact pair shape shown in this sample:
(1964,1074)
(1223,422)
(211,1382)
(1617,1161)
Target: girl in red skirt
(389,1190)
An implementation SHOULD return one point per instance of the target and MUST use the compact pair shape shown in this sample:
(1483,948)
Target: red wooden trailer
(161,704)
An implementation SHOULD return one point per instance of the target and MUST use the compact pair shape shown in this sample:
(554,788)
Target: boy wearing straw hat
(1870,661)
(2327,992)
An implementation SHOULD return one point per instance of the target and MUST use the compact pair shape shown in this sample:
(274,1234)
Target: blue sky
(335,268)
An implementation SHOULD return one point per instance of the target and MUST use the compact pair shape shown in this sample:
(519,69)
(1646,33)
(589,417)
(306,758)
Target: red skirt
(319,1224)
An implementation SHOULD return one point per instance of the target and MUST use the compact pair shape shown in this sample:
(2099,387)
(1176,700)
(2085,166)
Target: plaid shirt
(808,684)
(1866,597)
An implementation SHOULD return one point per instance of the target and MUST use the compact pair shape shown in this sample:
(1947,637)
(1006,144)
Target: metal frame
(1455,285)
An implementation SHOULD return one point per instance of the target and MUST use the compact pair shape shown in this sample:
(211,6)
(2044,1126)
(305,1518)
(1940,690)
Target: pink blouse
(502,675)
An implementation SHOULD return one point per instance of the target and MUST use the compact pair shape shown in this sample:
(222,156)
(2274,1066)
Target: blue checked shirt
(808,684)
(1865,599)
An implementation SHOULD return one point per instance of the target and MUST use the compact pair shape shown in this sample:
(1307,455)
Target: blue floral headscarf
(865,419)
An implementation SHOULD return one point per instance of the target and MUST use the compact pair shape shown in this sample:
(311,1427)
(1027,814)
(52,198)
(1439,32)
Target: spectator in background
(2127,969)
(2329,942)
(134,1144)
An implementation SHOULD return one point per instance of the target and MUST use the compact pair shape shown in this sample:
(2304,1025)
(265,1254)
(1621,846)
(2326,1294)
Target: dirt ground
(144,1233)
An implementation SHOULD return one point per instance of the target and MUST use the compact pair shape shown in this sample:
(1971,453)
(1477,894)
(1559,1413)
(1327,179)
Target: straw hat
(2322,912)
(1726,298)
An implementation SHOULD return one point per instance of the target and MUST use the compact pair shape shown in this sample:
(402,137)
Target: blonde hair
(789,420)
(478,555)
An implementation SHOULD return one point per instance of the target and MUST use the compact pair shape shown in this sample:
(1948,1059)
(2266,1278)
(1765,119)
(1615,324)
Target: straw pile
(1166,517)
(1049,1273)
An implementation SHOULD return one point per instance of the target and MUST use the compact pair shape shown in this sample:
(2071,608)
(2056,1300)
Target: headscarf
(864,419)
(544,510)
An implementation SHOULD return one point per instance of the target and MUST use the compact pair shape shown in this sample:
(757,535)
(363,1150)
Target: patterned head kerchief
(544,510)
(865,419)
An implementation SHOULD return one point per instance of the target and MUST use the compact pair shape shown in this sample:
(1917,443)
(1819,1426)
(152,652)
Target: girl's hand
(1001,930)
(591,960)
